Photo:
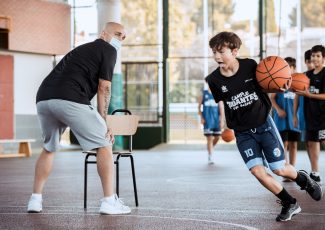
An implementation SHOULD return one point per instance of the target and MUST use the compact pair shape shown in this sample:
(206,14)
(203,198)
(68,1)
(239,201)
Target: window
(4,38)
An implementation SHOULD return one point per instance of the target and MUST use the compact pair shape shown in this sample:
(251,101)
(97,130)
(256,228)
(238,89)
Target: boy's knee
(279,172)
(258,171)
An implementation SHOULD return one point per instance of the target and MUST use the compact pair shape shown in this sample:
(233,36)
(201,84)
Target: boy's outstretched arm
(306,93)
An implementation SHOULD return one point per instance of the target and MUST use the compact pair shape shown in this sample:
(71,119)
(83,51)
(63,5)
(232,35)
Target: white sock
(37,196)
(315,173)
(110,199)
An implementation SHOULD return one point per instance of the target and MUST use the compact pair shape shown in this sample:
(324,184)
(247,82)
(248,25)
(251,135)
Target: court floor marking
(163,209)
(152,217)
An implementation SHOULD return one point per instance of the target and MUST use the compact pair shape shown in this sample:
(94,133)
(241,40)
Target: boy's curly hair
(225,39)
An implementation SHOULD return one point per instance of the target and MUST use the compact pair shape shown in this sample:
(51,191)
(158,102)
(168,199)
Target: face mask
(115,43)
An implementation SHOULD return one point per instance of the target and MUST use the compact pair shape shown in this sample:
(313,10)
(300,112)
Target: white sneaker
(34,205)
(210,161)
(113,207)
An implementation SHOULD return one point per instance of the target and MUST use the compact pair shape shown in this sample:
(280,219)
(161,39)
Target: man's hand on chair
(110,136)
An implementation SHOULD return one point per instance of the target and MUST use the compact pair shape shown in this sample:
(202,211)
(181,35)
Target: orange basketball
(299,81)
(273,73)
(228,135)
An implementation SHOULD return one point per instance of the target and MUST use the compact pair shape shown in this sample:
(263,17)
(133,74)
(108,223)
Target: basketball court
(177,189)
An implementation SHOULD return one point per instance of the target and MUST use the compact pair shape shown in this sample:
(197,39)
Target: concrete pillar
(109,11)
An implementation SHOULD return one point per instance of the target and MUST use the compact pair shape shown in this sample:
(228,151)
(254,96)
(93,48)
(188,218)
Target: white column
(109,11)
(205,39)
(299,54)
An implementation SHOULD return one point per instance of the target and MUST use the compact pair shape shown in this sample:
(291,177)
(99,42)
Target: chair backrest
(123,124)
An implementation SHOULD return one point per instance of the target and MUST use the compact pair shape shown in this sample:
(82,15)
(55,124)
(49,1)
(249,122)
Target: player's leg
(274,154)
(51,130)
(90,130)
(293,138)
(251,152)
(210,148)
(314,152)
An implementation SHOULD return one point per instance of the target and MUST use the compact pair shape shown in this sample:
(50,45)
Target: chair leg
(134,182)
(117,176)
(85,184)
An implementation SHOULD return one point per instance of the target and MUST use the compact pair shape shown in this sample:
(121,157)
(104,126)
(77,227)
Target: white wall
(29,72)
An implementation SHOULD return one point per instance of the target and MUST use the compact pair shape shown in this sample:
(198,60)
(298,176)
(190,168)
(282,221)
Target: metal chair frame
(116,162)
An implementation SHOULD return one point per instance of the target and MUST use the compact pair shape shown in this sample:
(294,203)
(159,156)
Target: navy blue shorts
(261,146)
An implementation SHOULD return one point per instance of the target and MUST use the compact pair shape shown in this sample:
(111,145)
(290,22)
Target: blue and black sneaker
(312,187)
(288,210)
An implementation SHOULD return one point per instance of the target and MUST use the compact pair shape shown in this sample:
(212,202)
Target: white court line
(171,209)
(138,216)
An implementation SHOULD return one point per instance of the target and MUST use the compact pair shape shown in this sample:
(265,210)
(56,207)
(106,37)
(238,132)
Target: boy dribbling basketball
(247,110)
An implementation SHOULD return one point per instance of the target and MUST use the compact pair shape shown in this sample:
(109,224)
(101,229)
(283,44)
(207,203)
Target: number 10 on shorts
(249,152)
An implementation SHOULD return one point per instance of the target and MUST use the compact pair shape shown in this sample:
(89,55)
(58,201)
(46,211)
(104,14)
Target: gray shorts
(85,122)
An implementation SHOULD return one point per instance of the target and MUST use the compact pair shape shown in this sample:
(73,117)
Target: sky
(86,15)
(244,9)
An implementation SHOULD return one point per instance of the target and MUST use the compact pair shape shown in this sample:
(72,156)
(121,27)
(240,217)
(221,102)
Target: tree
(312,14)
(140,19)
(220,12)
(270,16)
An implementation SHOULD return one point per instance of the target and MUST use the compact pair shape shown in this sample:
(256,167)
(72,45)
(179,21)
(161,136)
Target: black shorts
(289,135)
(315,135)
(212,132)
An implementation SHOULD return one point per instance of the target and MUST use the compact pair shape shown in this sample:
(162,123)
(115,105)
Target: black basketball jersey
(315,109)
(246,106)
(76,77)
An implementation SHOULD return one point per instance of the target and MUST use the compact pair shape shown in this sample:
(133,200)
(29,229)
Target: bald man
(63,100)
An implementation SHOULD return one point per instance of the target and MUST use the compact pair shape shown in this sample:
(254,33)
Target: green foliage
(220,12)
(270,16)
(312,14)
(241,25)
(182,28)
(140,19)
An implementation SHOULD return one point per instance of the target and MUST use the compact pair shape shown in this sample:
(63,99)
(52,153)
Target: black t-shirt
(315,109)
(76,76)
(246,106)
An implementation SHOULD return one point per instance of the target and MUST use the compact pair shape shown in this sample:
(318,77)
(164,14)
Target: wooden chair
(121,125)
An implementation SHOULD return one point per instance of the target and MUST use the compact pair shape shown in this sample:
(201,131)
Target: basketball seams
(270,75)
(275,77)
(280,69)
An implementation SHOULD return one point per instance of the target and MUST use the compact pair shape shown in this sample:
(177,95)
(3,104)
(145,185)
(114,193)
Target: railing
(185,126)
